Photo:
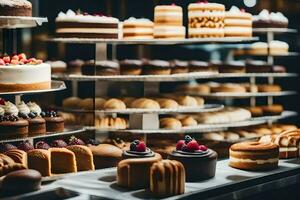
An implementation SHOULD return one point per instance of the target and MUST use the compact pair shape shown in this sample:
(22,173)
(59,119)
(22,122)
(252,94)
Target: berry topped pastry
(59,144)
(42,145)
(54,122)
(199,161)
(138,149)
(75,141)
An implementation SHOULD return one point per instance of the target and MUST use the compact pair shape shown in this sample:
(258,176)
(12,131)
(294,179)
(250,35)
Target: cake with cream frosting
(17,73)
(266,19)
(140,28)
(84,25)
(15,8)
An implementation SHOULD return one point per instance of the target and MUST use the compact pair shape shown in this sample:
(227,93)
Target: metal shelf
(55,86)
(284,115)
(274,30)
(13,22)
(155,41)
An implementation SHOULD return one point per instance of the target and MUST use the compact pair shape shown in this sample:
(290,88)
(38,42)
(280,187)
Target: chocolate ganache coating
(135,154)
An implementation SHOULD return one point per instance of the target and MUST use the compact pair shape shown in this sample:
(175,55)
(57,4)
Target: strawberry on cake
(17,73)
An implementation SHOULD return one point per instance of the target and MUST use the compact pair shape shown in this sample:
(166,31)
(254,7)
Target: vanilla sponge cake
(237,23)
(138,28)
(71,24)
(206,20)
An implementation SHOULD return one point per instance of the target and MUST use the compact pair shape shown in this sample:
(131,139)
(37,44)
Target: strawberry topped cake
(199,161)
(18,73)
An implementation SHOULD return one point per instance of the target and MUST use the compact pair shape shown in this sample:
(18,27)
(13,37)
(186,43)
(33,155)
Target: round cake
(15,8)
(199,162)
(138,28)
(254,156)
(265,19)
(17,73)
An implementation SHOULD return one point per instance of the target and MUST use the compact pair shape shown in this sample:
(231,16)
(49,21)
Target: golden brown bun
(269,88)
(167,103)
(274,109)
(114,104)
(99,102)
(188,101)
(256,111)
(170,123)
(188,121)
(110,122)
(145,103)
(71,102)
(87,104)
(231,88)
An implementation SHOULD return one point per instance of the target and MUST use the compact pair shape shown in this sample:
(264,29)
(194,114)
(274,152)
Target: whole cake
(167,178)
(17,73)
(254,156)
(134,171)
(84,25)
(265,19)
(15,8)
(238,23)
(206,20)
(138,28)
(168,22)
(199,162)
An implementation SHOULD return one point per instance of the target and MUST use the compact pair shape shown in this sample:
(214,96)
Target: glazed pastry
(71,102)
(134,171)
(274,109)
(167,178)
(269,88)
(114,104)
(131,67)
(18,156)
(84,157)
(254,156)
(65,156)
(165,103)
(144,103)
(170,123)
(179,67)
(199,162)
(106,155)
(156,67)
(40,160)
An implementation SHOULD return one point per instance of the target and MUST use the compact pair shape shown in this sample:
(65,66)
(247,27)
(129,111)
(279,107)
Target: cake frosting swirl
(23,108)
(10,109)
(34,108)
(2,111)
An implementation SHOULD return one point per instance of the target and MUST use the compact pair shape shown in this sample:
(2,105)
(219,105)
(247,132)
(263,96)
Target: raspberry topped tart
(83,25)
(134,170)
(19,73)
(199,161)
(15,8)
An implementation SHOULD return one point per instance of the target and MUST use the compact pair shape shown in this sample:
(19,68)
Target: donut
(268,88)
(274,109)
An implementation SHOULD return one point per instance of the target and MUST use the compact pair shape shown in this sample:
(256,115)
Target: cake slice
(40,160)
(62,161)
(19,156)
(84,157)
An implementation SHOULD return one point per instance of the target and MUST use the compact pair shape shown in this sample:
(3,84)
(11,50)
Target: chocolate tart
(13,127)
(131,67)
(199,165)
(156,67)
(101,68)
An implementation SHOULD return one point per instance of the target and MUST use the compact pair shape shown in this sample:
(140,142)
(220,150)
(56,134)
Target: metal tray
(12,22)
(274,30)
(243,95)
(284,115)
(55,86)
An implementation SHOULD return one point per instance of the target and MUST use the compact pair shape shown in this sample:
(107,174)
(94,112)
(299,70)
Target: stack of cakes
(168,22)
(137,28)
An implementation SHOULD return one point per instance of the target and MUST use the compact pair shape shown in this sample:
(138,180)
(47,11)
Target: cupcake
(199,161)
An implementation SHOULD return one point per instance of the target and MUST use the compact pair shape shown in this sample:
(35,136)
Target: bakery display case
(181,106)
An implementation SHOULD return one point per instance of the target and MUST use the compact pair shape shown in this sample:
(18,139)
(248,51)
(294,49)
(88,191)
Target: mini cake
(156,67)
(257,66)
(233,67)
(167,178)
(37,125)
(179,67)
(40,160)
(258,48)
(54,122)
(278,47)
(16,8)
(134,171)
(62,161)
(265,19)
(11,126)
(206,20)
(18,156)
(131,67)
(74,66)
(57,67)
(145,103)
(168,22)
(106,155)
(84,157)
(138,28)
(25,146)
(71,24)
(238,23)
(17,73)
(42,145)
(200,66)
(254,156)
(199,162)
(101,68)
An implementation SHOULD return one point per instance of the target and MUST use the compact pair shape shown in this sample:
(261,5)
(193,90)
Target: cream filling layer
(138,30)
(88,30)
(284,149)
(258,161)
(169,30)
(237,30)
(237,22)
(25,74)
(168,14)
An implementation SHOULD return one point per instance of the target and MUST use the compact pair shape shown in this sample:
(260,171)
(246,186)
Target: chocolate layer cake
(12,127)
(54,122)
(15,8)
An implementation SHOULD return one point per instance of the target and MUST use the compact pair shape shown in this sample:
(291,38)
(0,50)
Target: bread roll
(145,103)
(114,104)
(170,123)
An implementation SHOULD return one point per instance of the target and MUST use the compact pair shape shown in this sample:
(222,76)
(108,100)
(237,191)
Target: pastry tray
(284,115)
(276,55)
(182,109)
(55,86)
(69,130)
(242,95)
(155,41)
(228,183)
(12,22)
(201,128)
(274,30)
(167,78)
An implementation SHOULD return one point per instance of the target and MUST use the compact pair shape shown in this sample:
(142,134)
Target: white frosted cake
(20,74)
(137,28)
(77,25)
